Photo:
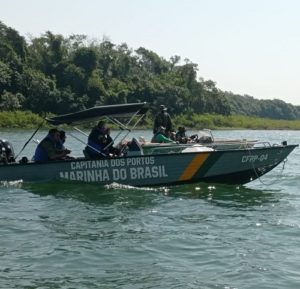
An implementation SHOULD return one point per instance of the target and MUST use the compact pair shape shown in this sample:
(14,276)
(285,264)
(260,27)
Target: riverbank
(27,119)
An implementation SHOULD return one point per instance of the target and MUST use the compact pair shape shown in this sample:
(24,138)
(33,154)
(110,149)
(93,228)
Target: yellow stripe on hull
(194,166)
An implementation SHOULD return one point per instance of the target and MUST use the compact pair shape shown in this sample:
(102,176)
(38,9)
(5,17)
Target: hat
(163,107)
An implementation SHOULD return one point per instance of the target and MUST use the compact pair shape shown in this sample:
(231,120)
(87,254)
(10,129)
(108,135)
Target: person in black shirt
(162,119)
(181,136)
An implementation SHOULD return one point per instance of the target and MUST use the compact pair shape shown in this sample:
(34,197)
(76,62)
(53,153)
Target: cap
(163,107)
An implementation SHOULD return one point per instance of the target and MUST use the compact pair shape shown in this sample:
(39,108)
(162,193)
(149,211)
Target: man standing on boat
(162,119)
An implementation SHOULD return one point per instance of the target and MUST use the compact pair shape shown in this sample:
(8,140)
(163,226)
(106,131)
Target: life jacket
(40,154)
(94,142)
(94,148)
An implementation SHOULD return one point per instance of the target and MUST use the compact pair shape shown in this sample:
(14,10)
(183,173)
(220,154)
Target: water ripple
(59,235)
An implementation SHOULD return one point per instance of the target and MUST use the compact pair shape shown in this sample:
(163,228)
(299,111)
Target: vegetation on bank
(20,119)
(234,122)
(57,74)
(26,119)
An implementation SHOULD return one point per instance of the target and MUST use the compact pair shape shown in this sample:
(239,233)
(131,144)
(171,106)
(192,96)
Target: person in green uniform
(160,137)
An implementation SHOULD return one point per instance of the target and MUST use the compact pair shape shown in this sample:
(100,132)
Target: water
(59,235)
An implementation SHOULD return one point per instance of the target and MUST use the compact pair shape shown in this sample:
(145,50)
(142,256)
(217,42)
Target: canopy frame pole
(121,126)
(82,132)
(77,138)
(127,124)
(117,122)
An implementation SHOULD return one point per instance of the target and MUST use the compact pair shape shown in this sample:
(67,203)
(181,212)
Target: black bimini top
(118,110)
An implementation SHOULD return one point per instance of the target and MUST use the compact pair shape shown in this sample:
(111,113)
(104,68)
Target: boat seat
(134,148)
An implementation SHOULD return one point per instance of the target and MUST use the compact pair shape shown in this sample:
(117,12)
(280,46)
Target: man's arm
(51,151)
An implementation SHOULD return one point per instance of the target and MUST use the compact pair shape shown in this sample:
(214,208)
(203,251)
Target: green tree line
(56,74)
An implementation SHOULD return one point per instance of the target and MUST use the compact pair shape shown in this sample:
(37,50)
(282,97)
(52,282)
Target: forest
(56,74)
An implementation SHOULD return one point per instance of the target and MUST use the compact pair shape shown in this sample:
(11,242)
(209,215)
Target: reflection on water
(126,196)
(226,195)
(218,194)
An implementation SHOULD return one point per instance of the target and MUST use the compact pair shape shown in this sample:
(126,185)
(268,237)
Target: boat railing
(163,148)
(169,148)
(261,144)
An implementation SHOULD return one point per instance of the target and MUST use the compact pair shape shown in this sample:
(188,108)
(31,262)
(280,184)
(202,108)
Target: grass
(27,119)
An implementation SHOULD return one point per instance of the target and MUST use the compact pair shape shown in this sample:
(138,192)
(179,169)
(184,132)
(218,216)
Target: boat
(149,164)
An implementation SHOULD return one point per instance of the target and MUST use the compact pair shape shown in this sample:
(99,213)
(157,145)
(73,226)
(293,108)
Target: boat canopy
(110,111)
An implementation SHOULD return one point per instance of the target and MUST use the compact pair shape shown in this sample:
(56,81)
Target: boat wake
(13,184)
(128,187)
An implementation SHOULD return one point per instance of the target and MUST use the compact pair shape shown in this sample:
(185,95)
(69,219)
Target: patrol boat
(147,164)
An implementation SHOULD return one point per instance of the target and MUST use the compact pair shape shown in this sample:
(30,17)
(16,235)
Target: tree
(86,58)
(151,62)
(10,101)
(14,40)
(95,90)
(46,52)
(5,77)
(39,91)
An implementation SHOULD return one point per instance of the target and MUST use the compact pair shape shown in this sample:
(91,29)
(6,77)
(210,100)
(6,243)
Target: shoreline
(30,120)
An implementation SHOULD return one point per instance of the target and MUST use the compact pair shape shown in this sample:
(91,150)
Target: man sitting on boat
(160,136)
(100,143)
(60,145)
(47,148)
(181,136)
(109,148)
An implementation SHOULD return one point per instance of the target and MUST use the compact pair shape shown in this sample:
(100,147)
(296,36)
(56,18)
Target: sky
(249,47)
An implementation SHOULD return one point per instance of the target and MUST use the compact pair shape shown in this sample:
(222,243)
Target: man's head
(101,124)
(54,133)
(62,135)
(163,108)
(181,129)
(162,129)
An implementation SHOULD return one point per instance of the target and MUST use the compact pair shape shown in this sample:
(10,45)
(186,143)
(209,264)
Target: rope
(258,177)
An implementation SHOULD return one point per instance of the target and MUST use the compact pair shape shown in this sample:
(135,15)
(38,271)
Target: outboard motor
(7,154)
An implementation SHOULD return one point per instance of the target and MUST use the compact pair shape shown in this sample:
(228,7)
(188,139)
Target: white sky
(246,46)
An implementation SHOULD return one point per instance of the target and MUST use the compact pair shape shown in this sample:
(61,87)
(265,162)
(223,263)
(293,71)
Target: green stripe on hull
(210,161)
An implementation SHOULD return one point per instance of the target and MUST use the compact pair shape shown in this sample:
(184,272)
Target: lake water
(59,235)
